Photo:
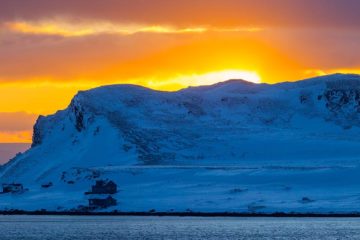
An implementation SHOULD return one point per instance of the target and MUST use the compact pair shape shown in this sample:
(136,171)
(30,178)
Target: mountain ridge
(229,135)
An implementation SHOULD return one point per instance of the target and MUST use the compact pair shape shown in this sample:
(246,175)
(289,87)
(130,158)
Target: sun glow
(215,77)
(205,79)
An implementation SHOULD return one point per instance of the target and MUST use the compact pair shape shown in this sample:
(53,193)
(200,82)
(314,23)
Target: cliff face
(37,132)
(311,123)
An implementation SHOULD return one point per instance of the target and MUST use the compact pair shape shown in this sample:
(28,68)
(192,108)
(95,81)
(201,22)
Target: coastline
(183,214)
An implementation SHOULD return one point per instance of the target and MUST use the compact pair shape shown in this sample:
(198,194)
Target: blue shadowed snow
(232,146)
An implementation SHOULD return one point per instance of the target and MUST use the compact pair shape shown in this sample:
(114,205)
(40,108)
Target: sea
(135,227)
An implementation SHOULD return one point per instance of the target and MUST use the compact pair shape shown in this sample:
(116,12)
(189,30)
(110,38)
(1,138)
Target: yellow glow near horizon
(205,79)
(319,72)
(215,77)
(41,96)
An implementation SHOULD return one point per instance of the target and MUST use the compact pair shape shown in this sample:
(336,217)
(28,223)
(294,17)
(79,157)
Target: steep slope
(203,139)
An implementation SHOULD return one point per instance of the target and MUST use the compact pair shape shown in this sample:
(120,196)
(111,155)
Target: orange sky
(51,49)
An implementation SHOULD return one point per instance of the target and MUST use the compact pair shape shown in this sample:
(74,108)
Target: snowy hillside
(233,146)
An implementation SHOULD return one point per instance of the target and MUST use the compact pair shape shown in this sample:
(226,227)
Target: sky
(49,50)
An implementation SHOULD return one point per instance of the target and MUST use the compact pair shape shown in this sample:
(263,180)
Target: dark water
(79,227)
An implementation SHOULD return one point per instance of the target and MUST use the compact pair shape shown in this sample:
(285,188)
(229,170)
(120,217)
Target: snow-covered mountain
(232,146)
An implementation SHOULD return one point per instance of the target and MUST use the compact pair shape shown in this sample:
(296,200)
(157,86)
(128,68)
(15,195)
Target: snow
(233,146)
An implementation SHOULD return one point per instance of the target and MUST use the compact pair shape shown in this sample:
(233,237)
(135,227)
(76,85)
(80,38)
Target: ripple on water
(113,227)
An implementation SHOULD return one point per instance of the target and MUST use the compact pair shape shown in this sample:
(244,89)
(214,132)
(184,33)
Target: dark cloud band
(304,13)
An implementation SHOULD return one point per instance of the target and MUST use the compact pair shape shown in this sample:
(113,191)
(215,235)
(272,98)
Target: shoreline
(182,214)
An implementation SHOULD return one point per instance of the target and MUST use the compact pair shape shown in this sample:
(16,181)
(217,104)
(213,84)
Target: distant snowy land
(230,147)
(8,150)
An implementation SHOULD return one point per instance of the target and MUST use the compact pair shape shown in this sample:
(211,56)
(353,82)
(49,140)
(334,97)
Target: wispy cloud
(16,136)
(16,121)
(16,127)
(321,72)
(70,29)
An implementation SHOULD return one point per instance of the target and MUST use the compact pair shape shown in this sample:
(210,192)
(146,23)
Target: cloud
(322,72)
(16,122)
(37,57)
(319,48)
(16,137)
(219,13)
(68,28)
(16,127)
(72,41)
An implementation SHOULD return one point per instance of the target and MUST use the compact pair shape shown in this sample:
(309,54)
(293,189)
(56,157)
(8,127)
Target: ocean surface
(112,227)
